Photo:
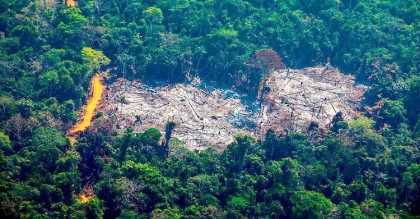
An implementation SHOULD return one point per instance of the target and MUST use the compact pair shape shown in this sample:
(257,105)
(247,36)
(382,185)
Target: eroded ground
(297,97)
(291,100)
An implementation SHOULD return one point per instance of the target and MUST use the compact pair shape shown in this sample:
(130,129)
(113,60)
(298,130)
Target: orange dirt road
(71,3)
(97,89)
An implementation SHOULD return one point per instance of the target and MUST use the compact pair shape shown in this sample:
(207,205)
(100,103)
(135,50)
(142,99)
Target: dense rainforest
(365,168)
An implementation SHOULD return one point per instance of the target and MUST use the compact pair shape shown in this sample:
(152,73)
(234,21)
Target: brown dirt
(293,99)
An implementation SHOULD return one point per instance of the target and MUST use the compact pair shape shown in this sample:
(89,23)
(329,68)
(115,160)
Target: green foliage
(367,168)
(310,205)
(362,124)
(410,188)
(151,137)
(412,101)
(153,15)
(5,143)
(94,58)
(234,155)
(94,209)
(238,203)
(393,112)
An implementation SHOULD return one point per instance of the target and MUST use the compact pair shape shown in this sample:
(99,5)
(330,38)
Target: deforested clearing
(291,99)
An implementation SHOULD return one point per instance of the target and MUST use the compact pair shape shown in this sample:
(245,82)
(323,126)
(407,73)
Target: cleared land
(291,100)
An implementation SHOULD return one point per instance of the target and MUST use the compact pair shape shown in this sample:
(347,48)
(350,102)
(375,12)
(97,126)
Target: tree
(151,137)
(153,182)
(6,106)
(386,196)
(234,155)
(67,112)
(361,124)
(48,51)
(265,61)
(271,144)
(392,113)
(165,214)
(170,126)
(239,203)
(71,22)
(67,176)
(49,80)
(410,189)
(290,177)
(153,15)
(94,209)
(261,64)
(307,204)
(94,58)
(372,209)
(124,142)
(5,143)
(412,102)
(18,128)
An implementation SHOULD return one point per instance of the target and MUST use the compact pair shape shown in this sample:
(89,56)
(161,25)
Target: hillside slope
(292,100)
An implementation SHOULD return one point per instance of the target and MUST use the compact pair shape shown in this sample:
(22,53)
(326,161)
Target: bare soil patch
(291,100)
